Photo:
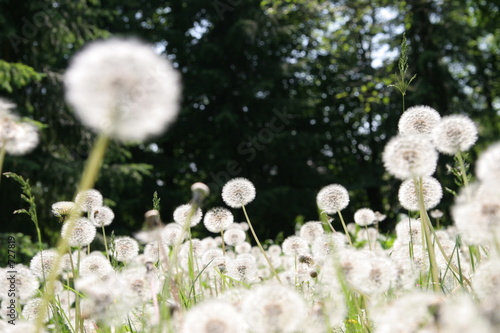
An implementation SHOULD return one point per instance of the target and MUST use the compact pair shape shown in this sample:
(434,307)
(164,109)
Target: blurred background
(293,95)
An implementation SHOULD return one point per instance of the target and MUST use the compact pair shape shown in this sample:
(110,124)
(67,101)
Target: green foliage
(25,248)
(17,75)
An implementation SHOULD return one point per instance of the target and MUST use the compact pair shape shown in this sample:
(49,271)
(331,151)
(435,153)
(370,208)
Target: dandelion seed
(234,236)
(42,263)
(123,88)
(431,191)
(125,248)
(238,192)
(26,283)
(294,246)
(454,134)
(95,264)
(332,198)
(488,164)
(181,214)
(218,219)
(311,230)
(213,316)
(88,200)
(408,156)
(172,234)
(364,217)
(419,119)
(82,233)
(102,216)
(274,308)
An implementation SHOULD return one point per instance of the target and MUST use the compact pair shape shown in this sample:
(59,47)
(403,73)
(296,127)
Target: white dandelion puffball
(23,140)
(294,246)
(218,219)
(89,199)
(431,190)
(311,230)
(95,264)
(454,134)
(79,233)
(234,236)
(125,248)
(407,156)
(43,262)
(172,233)
(63,208)
(238,192)
(419,119)
(274,308)
(488,164)
(213,316)
(332,198)
(25,281)
(181,215)
(364,217)
(122,88)
(102,216)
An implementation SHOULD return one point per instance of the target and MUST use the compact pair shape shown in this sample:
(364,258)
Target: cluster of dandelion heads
(102,216)
(332,198)
(238,192)
(26,283)
(419,119)
(407,156)
(213,316)
(274,308)
(364,217)
(488,164)
(453,134)
(16,136)
(89,199)
(79,233)
(218,219)
(125,248)
(432,193)
(122,88)
(185,212)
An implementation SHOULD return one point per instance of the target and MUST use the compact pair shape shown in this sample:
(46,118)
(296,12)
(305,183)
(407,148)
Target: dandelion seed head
(26,283)
(272,308)
(332,198)
(238,192)
(294,246)
(89,199)
(42,263)
(79,233)
(213,316)
(122,88)
(218,219)
(409,230)
(364,217)
(311,230)
(63,208)
(408,156)
(153,252)
(242,268)
(454,134)
(488,164)
(95,264)
(243,247)
(172,233)
(431,191)
(125,248)
(102,216)
(234,236)
(327,244)
(32,308)
(419,119)
(23,138)
(181,215)
(274,250)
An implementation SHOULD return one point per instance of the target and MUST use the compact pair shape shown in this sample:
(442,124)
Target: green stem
(463,172)
(105,242)
(3,151)
(345,228)
(425,222)
(273,270)
(89,177)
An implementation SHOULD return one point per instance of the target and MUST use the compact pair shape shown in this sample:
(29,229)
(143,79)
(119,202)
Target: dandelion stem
(345,228)
(3,150)
(105,242)
(273,270)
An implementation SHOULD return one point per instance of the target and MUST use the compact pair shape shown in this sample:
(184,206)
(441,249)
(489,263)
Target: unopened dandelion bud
(200,192)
